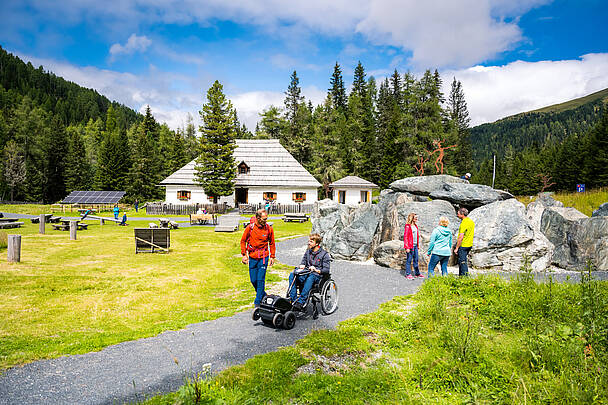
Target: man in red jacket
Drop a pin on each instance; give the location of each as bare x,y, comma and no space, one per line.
257,244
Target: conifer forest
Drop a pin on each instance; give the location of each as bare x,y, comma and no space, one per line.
56,136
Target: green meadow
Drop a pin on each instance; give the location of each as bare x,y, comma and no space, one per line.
68,297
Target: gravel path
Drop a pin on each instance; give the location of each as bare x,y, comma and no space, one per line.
136,369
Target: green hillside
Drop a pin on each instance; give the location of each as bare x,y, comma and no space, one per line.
537,128
577,102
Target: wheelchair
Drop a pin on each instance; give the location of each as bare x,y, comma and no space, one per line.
279,312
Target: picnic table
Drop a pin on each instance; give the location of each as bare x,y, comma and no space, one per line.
167,223
201,219
245,223
7,223
64,225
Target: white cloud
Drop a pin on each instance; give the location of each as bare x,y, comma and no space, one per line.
134,44
495,92
437,32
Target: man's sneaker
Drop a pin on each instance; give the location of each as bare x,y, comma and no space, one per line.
420,276
297,306
409,277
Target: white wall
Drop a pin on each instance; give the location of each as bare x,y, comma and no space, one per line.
255,195
353,195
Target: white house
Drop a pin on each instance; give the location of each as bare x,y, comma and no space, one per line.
352,190
265,170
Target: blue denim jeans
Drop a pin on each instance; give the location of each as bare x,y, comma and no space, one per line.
305,282
257,275
412,256
463,253
438,259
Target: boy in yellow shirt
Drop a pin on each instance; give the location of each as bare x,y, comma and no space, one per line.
465,241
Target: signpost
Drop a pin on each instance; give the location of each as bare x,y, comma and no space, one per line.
580,188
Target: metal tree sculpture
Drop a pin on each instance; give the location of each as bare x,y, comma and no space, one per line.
546,180
439,160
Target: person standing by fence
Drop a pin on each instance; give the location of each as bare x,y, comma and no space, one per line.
258,251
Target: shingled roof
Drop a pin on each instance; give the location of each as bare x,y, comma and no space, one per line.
270,164
352,182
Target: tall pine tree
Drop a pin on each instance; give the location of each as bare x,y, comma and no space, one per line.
215,167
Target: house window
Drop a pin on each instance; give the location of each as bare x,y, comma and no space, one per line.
364,196
243,168
342,196
210,198
270,196
183,195
299,197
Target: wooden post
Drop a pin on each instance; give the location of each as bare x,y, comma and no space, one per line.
73,229
42,224
100,221
14,248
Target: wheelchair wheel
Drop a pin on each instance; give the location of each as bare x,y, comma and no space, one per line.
277,320
256,314
329,297
290,320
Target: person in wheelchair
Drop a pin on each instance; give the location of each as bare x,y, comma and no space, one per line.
316,260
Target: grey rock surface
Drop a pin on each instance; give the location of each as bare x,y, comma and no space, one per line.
348,231
503,236
560,225
602,211
424,185
469,195
391,254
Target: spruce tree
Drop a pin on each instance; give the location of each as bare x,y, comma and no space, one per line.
77,167
55,150
215,167
596,153
359,82
272,124
458,114
337,90
297,115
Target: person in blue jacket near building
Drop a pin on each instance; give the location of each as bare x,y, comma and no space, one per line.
116,211
440,247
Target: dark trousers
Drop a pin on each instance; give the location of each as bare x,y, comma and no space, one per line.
412,256
463,255
257,276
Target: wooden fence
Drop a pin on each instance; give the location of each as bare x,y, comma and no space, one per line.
280,209
184,209
21,202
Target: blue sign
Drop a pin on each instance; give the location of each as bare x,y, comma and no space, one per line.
580,188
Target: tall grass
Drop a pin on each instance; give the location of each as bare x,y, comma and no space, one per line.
585,202
3,240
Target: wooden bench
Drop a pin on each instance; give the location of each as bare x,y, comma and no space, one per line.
47,219
61,227
295,217
151,240
10,224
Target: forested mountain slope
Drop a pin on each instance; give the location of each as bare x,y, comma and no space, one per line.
536,128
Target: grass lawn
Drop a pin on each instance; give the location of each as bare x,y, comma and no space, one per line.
37,209
586,202
458,340
68,297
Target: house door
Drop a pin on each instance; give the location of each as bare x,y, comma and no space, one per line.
342,197
241,195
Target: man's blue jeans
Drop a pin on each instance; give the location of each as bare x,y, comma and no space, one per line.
438,259
257,275
412,256
306,281
463,253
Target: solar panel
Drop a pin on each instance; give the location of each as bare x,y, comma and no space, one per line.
94,197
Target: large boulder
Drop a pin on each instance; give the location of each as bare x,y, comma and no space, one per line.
576,237
391,254
348,231
503,237
469,195
395,207
424,185
602,211
559,225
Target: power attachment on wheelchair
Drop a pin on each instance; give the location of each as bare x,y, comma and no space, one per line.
280,312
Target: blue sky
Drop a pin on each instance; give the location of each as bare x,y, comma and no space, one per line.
510,55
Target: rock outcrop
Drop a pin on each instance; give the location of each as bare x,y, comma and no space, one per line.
469,195
602,211
506,232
